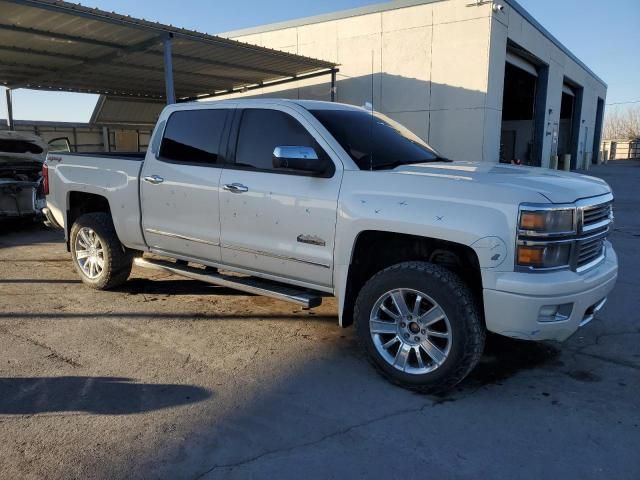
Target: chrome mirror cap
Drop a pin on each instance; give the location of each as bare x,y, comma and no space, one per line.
300,159
293,152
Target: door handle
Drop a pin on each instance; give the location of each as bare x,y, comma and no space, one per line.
153,179
235,188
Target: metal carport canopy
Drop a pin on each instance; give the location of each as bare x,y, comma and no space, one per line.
60,46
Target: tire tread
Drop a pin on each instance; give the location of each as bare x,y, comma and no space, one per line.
475,338
118,267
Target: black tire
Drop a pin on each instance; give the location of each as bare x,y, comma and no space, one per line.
466,343
117,260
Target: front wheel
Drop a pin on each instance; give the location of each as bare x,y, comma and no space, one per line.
420,326
98,256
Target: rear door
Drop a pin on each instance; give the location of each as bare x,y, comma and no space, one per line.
273,222
180,184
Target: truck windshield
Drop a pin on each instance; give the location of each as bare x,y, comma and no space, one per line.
374,141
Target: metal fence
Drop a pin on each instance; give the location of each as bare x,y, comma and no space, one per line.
620,149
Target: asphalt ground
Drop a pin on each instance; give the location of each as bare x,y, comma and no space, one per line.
169,378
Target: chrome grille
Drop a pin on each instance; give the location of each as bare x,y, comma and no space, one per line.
594,229
589,251
596,217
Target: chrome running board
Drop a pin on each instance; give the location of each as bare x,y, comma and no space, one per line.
244,284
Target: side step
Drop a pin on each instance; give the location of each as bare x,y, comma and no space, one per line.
244,284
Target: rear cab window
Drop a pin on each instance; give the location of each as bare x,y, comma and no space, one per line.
194,137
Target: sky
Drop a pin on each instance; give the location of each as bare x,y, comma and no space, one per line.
604,35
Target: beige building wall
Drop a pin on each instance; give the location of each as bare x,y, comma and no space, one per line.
425,66
435,66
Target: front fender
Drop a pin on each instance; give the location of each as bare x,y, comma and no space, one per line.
455,212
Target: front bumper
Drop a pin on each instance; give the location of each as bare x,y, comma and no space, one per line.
515,303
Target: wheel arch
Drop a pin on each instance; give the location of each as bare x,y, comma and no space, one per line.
375,250
79,203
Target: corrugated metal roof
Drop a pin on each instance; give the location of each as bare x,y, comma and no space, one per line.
55,45
126,111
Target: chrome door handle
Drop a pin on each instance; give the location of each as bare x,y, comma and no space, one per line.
153,179
235,188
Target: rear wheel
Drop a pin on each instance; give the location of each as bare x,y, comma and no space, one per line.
419,326
98,256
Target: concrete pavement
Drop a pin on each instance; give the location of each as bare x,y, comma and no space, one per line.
167,378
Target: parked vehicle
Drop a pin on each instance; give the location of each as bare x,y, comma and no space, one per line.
21,158
306,199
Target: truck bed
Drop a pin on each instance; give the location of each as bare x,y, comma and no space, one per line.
137,156
113,176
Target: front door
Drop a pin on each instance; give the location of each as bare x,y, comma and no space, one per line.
180,185
275,223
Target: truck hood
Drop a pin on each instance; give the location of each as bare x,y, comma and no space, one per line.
556,186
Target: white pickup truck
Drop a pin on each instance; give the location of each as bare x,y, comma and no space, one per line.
300,199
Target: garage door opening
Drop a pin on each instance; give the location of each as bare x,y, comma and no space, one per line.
569,128
566,121
597,133
518,132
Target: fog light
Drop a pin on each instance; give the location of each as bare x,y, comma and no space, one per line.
555,313
553,255
530,255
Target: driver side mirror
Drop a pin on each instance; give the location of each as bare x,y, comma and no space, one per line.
301,159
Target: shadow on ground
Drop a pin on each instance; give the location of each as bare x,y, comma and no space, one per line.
27,232
137,286
322,408
504,357
98,395
96,316
37,280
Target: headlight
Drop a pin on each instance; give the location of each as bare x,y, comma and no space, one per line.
541,222
545,236
553,255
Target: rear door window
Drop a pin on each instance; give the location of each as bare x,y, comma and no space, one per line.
194,136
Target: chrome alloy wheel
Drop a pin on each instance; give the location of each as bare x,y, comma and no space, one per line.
410,331
89,252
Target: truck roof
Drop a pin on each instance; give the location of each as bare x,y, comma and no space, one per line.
308,104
